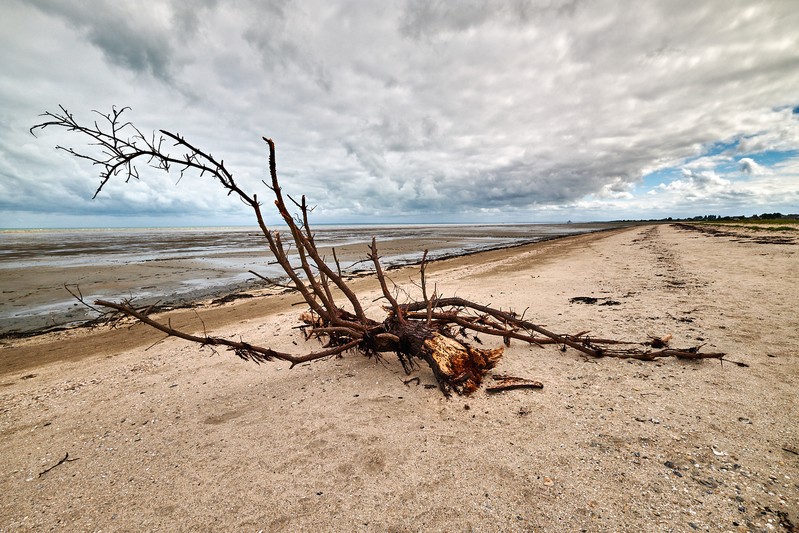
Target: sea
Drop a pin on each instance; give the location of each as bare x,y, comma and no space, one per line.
42,270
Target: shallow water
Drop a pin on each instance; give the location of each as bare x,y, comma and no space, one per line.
179,265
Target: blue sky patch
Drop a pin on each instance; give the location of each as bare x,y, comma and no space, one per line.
770,158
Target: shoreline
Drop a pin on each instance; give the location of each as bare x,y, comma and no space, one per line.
191,439
28,325
21,348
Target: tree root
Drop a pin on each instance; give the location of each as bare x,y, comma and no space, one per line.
425,330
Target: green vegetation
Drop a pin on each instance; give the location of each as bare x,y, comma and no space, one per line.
795,227
764,222
784,224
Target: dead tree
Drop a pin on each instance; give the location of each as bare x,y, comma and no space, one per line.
433,330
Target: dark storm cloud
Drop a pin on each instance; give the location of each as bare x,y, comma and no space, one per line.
130,36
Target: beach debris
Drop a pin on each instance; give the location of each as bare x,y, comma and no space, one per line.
415,379
504,383
736,363
659,342
433,329
65,459
590,300
231,298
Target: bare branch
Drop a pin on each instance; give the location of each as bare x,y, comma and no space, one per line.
244,350
382,278
416,331
272,281
423,281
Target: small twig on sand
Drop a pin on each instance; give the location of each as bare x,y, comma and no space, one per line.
511,383
66,459
738,363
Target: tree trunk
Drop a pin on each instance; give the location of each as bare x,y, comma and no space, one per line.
456,366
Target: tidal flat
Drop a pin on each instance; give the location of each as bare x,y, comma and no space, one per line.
182,266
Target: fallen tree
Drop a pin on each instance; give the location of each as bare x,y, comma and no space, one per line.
433,330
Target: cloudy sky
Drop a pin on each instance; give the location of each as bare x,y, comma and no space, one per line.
411,110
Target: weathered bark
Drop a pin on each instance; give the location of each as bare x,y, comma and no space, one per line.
456,365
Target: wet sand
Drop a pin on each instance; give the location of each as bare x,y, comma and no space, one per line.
172,436
182,266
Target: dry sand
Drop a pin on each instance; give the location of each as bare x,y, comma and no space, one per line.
179,438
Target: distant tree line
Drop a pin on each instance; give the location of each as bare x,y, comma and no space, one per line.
717,218
764,216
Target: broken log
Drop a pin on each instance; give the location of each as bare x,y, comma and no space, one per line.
456,366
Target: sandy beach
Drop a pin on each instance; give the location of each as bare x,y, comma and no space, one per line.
122,430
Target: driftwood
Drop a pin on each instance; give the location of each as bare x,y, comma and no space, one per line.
504,383
434,330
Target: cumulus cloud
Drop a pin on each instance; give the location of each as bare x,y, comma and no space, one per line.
616,189
749,166
419,108
696,182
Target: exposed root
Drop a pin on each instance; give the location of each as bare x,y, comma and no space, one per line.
415,331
